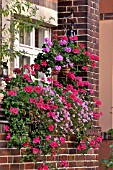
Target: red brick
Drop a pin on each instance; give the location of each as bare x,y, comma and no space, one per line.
29,166
3,159
5,167
4,152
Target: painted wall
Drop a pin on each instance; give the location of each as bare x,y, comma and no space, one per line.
106,74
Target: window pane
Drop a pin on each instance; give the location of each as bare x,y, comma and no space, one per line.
24,60
24,36
39,37
27,38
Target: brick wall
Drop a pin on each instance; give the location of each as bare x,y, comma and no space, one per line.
10,158
46,3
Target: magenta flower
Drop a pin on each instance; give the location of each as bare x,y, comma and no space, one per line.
46,50
35,151
67,49
63,42
53,144
11,93
6,128
36,140
64,163
8,136
48,137
13,110
58,68
49,43
62,140
47,40
51,128
58,58
28,89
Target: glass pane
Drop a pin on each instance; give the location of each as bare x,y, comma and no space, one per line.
39,37
21,37
27,38
36,38
24,60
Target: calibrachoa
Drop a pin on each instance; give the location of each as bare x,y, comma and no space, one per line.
41,116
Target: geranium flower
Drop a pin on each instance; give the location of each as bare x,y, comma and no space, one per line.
58,58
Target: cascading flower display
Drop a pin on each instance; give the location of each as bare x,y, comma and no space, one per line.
64,52
41,116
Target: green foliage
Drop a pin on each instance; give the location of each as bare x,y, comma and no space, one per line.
14,13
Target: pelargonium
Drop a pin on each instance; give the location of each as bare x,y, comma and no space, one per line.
41,116
64,52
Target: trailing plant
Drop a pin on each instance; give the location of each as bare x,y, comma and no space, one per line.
41,116
64,52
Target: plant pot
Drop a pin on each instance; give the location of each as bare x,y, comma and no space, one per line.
1,97
65,70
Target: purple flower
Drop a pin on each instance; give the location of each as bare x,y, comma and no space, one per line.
49,43
68,60
58,68
46,50
67,49
46,40
71,64
63,42
58,58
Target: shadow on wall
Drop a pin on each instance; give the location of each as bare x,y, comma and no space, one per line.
104,152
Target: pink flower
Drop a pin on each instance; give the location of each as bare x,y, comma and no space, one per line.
13,110
79,147
91,91
83,146
92,143
32,100
82,45
62,140
98,102
76,51
44,63
64,38
48,137
28,89
26,76
73,38
35,151
99,139
26,66
51,128
53,144
93,64
6,128
36,140
38,89
8,136
11,93
44,167
85,68
36,66
64,163
55,36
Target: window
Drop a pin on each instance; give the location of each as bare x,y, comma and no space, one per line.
24,60
24,37
40,34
